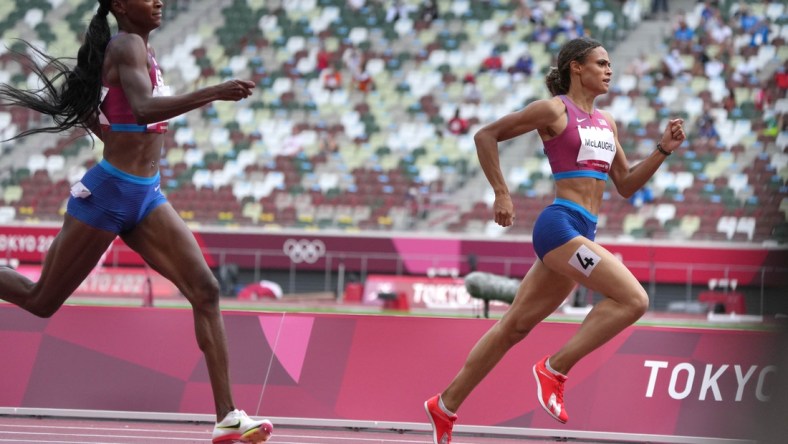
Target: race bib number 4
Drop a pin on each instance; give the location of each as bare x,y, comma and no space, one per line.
585,260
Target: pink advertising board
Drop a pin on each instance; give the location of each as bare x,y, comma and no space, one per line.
414,253
648,380
421,292
133,282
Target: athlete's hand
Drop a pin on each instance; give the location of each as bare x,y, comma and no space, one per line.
504,210
673,135
234,90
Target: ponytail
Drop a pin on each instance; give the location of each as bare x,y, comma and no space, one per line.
69,95
555,84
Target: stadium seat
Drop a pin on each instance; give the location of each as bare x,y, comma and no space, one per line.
12,193
632,222
727,225
7,214
664,212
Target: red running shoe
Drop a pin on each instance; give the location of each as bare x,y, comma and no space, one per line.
550,391
441,422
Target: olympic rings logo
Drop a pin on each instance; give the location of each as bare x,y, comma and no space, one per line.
304,250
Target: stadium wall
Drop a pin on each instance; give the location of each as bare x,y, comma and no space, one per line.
691,382
407,253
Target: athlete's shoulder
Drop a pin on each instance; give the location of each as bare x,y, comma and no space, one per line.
125,39
552,107
126,44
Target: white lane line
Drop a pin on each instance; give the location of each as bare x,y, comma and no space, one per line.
92,435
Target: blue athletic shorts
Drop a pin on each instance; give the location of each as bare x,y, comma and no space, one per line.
110,199
561,222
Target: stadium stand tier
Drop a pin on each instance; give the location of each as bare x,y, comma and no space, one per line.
354,123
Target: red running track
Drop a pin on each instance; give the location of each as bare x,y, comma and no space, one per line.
50,430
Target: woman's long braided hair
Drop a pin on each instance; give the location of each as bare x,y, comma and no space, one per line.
70,95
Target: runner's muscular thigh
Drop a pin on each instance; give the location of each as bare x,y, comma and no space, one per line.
72,256
541,292
164,240
594,267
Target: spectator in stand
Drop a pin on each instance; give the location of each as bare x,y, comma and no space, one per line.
764,96
713,68
641,197
493,62
773,125
353,59
716,28
523,65
542,34
530,13
356,64
683,35
673,65
331,78
745,73
328,143
570,25
706,129
781,76
363,81
428,11
397,9
323,58
729,102
708,11
747,20
760,33
471,93
457,125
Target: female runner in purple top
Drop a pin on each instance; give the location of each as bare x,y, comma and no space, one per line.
582,146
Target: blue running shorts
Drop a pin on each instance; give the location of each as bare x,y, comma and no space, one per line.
561,222
110,199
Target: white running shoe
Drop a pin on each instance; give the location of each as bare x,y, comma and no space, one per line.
237,426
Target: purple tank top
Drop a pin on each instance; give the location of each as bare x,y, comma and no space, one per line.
586,147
